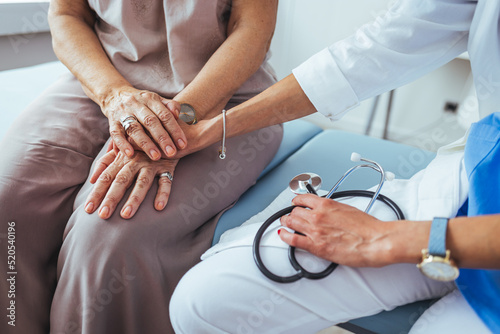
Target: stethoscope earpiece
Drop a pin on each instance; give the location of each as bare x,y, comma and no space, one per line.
355,157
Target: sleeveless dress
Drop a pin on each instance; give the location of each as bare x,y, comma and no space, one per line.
116,276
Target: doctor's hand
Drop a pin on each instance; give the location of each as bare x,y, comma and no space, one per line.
199,136
339,233
152,122
115,172
194,141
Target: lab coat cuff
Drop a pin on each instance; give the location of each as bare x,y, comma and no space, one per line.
325,85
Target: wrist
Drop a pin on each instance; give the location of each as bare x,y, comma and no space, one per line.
201,135
204,109
410,238
210,131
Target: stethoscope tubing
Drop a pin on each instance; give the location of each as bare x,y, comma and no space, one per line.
301,272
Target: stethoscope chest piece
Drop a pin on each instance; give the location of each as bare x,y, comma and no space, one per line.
298,184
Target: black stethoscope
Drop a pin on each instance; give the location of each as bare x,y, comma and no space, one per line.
311,183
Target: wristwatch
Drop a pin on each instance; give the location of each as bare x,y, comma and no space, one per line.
188,114
436,262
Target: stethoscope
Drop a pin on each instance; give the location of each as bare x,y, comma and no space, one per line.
311,183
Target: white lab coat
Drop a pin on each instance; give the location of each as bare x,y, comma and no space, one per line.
413,38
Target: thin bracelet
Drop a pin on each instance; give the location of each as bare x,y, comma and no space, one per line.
222,150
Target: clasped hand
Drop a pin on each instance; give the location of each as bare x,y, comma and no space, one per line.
155,129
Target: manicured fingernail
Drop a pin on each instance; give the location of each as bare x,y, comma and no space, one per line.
181,143
104,212
128,152
160,206
279,231
127,211
170,150
90,207
154,154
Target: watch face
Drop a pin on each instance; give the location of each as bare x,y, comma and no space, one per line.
439,269
187,114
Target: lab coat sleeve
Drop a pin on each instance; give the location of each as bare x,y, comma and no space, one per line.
413,38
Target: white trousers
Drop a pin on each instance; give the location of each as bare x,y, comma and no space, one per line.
451,314
226,293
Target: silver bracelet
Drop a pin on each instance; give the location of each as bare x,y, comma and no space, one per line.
222,149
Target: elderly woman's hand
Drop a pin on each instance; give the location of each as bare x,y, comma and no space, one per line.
152,122
115,172
339,233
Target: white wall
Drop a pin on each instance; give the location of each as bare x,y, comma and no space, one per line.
24,35
306,27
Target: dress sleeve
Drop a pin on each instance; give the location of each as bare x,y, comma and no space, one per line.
413,38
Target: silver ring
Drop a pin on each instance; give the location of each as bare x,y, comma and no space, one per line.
168,175
127,121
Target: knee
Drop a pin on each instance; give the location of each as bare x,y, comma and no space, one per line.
89,239
204,298
198,305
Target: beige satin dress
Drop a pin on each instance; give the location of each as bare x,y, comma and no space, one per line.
89,275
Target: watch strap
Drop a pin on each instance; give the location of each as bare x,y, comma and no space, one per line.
437,237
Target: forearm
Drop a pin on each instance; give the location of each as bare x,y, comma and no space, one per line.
472,241
229,67
250,30
77,46
282,102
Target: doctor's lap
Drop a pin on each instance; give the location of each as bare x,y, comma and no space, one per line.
227,293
